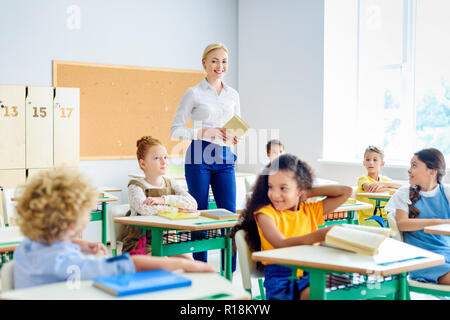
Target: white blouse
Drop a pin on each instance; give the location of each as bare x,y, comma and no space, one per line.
206,109
400,199
181,199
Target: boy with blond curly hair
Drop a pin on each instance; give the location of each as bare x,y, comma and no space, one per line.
53,211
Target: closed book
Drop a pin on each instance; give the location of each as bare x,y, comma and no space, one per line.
238,128
141,282
178,215
219,214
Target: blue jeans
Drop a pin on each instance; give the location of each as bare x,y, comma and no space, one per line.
207,163
279,286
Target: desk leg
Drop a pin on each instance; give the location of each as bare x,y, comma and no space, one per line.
317,284
228,255
403,290
104,222
157,242
350,216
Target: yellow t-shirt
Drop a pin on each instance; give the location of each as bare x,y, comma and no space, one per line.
367,213
293,223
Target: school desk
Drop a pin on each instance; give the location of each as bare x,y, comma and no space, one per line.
378,197
439,229
392,261
204,286
166,243
177,173
100,214
345,213
10,238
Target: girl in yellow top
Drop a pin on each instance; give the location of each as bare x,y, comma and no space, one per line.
373,181
277,216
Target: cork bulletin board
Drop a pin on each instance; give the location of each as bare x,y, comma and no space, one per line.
119,104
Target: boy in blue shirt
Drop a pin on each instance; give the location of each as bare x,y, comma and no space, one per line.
53,211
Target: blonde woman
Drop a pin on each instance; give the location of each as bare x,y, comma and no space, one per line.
210,104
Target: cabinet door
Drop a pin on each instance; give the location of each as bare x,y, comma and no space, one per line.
66,137
12,127
39,127
12,178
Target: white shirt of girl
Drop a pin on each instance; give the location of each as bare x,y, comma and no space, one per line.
400,199
181,199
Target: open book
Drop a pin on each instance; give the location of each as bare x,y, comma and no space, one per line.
360,239
238,127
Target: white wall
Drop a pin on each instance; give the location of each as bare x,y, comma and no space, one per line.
281,72
281,82
153,33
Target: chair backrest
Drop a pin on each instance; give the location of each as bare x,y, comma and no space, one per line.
7,276
393,225
247,265
115,229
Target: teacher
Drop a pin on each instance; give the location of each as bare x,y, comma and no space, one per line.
210,104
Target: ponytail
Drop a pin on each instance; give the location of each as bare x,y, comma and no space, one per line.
414,196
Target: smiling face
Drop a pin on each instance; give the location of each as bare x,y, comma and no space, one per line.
419,174
155,161
215,64
283,191
373,162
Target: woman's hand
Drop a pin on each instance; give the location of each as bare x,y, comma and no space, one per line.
213,134
152,201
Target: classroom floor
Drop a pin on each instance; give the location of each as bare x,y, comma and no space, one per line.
214,260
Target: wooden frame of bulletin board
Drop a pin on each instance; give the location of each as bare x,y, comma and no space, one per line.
120,104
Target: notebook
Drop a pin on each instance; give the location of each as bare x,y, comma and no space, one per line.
178,215
141,282
219,214
238,126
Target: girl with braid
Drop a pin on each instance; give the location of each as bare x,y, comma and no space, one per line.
425,203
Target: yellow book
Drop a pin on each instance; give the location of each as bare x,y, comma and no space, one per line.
360,239
178,215
238,128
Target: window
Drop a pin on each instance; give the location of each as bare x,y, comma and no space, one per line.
386,78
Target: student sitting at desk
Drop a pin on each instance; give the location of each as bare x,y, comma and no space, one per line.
53,211
153,194
274,149
425,203
277,216
373,181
